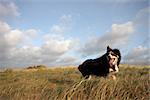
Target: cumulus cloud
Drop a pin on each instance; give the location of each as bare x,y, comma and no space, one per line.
7,9
32,33
15,48
139,55
117,36
11,40
4,27
14,37
4,47
56,45
122,28
26,55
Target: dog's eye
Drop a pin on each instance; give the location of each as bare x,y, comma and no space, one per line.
113,54
113,59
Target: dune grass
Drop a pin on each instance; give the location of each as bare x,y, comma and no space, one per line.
132,83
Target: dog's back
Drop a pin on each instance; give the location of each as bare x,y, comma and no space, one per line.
98,67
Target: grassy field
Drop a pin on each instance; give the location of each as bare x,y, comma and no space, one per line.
132,83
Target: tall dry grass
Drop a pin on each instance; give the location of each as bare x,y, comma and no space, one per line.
132,83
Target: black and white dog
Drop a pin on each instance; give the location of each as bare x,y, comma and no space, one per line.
102,66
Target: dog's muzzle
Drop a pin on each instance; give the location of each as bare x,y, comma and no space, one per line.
113,63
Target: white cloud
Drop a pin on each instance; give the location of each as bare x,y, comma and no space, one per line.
4,47
32,33
63,25
11,40
7,40
142,18
118,36
139,55
27,55
125,28
57,29
4,27
56,45
8,9
15,47
48,53
14,37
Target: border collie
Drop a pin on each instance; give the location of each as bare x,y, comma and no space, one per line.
102,66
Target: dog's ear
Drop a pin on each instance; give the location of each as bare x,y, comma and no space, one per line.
108,49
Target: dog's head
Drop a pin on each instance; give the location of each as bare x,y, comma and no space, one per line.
114,58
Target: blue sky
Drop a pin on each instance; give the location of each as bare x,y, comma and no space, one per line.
66,32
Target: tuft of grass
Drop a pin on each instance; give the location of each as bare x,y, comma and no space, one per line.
9,70
132,83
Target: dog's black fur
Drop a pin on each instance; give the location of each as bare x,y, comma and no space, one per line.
99,66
